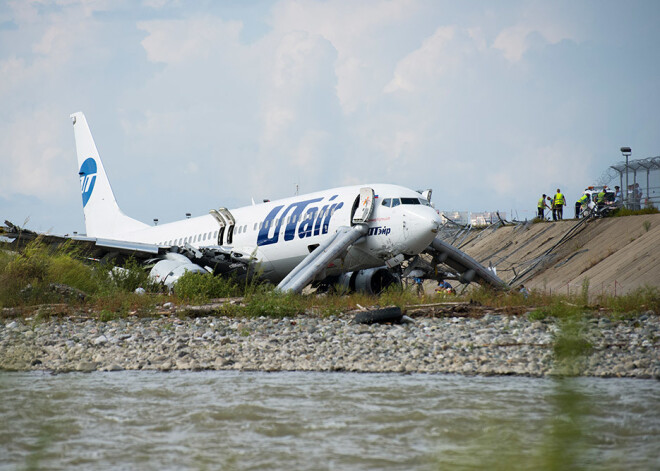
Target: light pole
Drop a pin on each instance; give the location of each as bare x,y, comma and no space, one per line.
626,153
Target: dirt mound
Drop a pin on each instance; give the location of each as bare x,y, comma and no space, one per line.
615,255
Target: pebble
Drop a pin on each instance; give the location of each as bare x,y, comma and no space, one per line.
492,345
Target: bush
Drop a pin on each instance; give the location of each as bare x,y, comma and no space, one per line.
130,277
201,287
28,277
274,303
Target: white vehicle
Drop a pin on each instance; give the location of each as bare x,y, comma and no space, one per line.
593,209
293,241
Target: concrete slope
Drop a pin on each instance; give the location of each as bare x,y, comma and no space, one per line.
615,255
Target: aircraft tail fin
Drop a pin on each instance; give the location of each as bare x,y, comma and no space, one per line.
103,218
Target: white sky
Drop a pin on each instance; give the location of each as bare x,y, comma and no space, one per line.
201,104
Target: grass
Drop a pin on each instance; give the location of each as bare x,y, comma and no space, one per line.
200,288
630,212
34,277
41,274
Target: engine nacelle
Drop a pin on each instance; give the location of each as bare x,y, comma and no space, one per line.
370,281
169,271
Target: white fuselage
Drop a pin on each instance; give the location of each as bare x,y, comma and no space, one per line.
279,234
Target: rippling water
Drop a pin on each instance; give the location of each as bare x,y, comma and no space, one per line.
232,420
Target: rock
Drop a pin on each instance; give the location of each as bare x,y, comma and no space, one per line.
86,366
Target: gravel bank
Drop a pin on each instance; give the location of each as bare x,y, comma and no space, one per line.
491,345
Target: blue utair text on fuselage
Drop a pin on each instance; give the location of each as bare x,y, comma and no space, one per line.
299,220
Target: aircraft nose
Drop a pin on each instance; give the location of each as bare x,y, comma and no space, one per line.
421,226
436,223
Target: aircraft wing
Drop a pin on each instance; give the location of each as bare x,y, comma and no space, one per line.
95,248
221,260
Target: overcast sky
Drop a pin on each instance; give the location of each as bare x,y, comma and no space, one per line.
200,104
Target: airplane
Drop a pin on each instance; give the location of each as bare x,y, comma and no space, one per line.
355,235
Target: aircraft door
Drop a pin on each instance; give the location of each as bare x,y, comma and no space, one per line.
365,206
231,222
221,222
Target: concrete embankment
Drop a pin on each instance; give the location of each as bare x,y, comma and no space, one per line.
492,344
612,255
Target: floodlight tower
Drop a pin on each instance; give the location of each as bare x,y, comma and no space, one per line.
626,153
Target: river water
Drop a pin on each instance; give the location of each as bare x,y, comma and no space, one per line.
251,420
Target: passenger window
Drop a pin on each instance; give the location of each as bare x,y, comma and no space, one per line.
255,227
395,202
245,228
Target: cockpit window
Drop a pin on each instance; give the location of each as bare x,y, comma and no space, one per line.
410,201
393,202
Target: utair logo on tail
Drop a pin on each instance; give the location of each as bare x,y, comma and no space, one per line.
87,179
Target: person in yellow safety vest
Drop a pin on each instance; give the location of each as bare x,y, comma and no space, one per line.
600,199
558,206
581,205
541,207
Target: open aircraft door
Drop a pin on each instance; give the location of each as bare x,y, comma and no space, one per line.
221,222
226,222
231,222
365,206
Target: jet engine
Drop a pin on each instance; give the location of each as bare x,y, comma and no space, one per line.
370,281
169,270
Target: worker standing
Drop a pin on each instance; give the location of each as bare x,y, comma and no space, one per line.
600,199
541,207
581,204
558,206
617,197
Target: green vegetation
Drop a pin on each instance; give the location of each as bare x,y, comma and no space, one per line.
41,275
630,212
200,288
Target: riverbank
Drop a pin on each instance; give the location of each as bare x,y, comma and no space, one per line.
486,343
